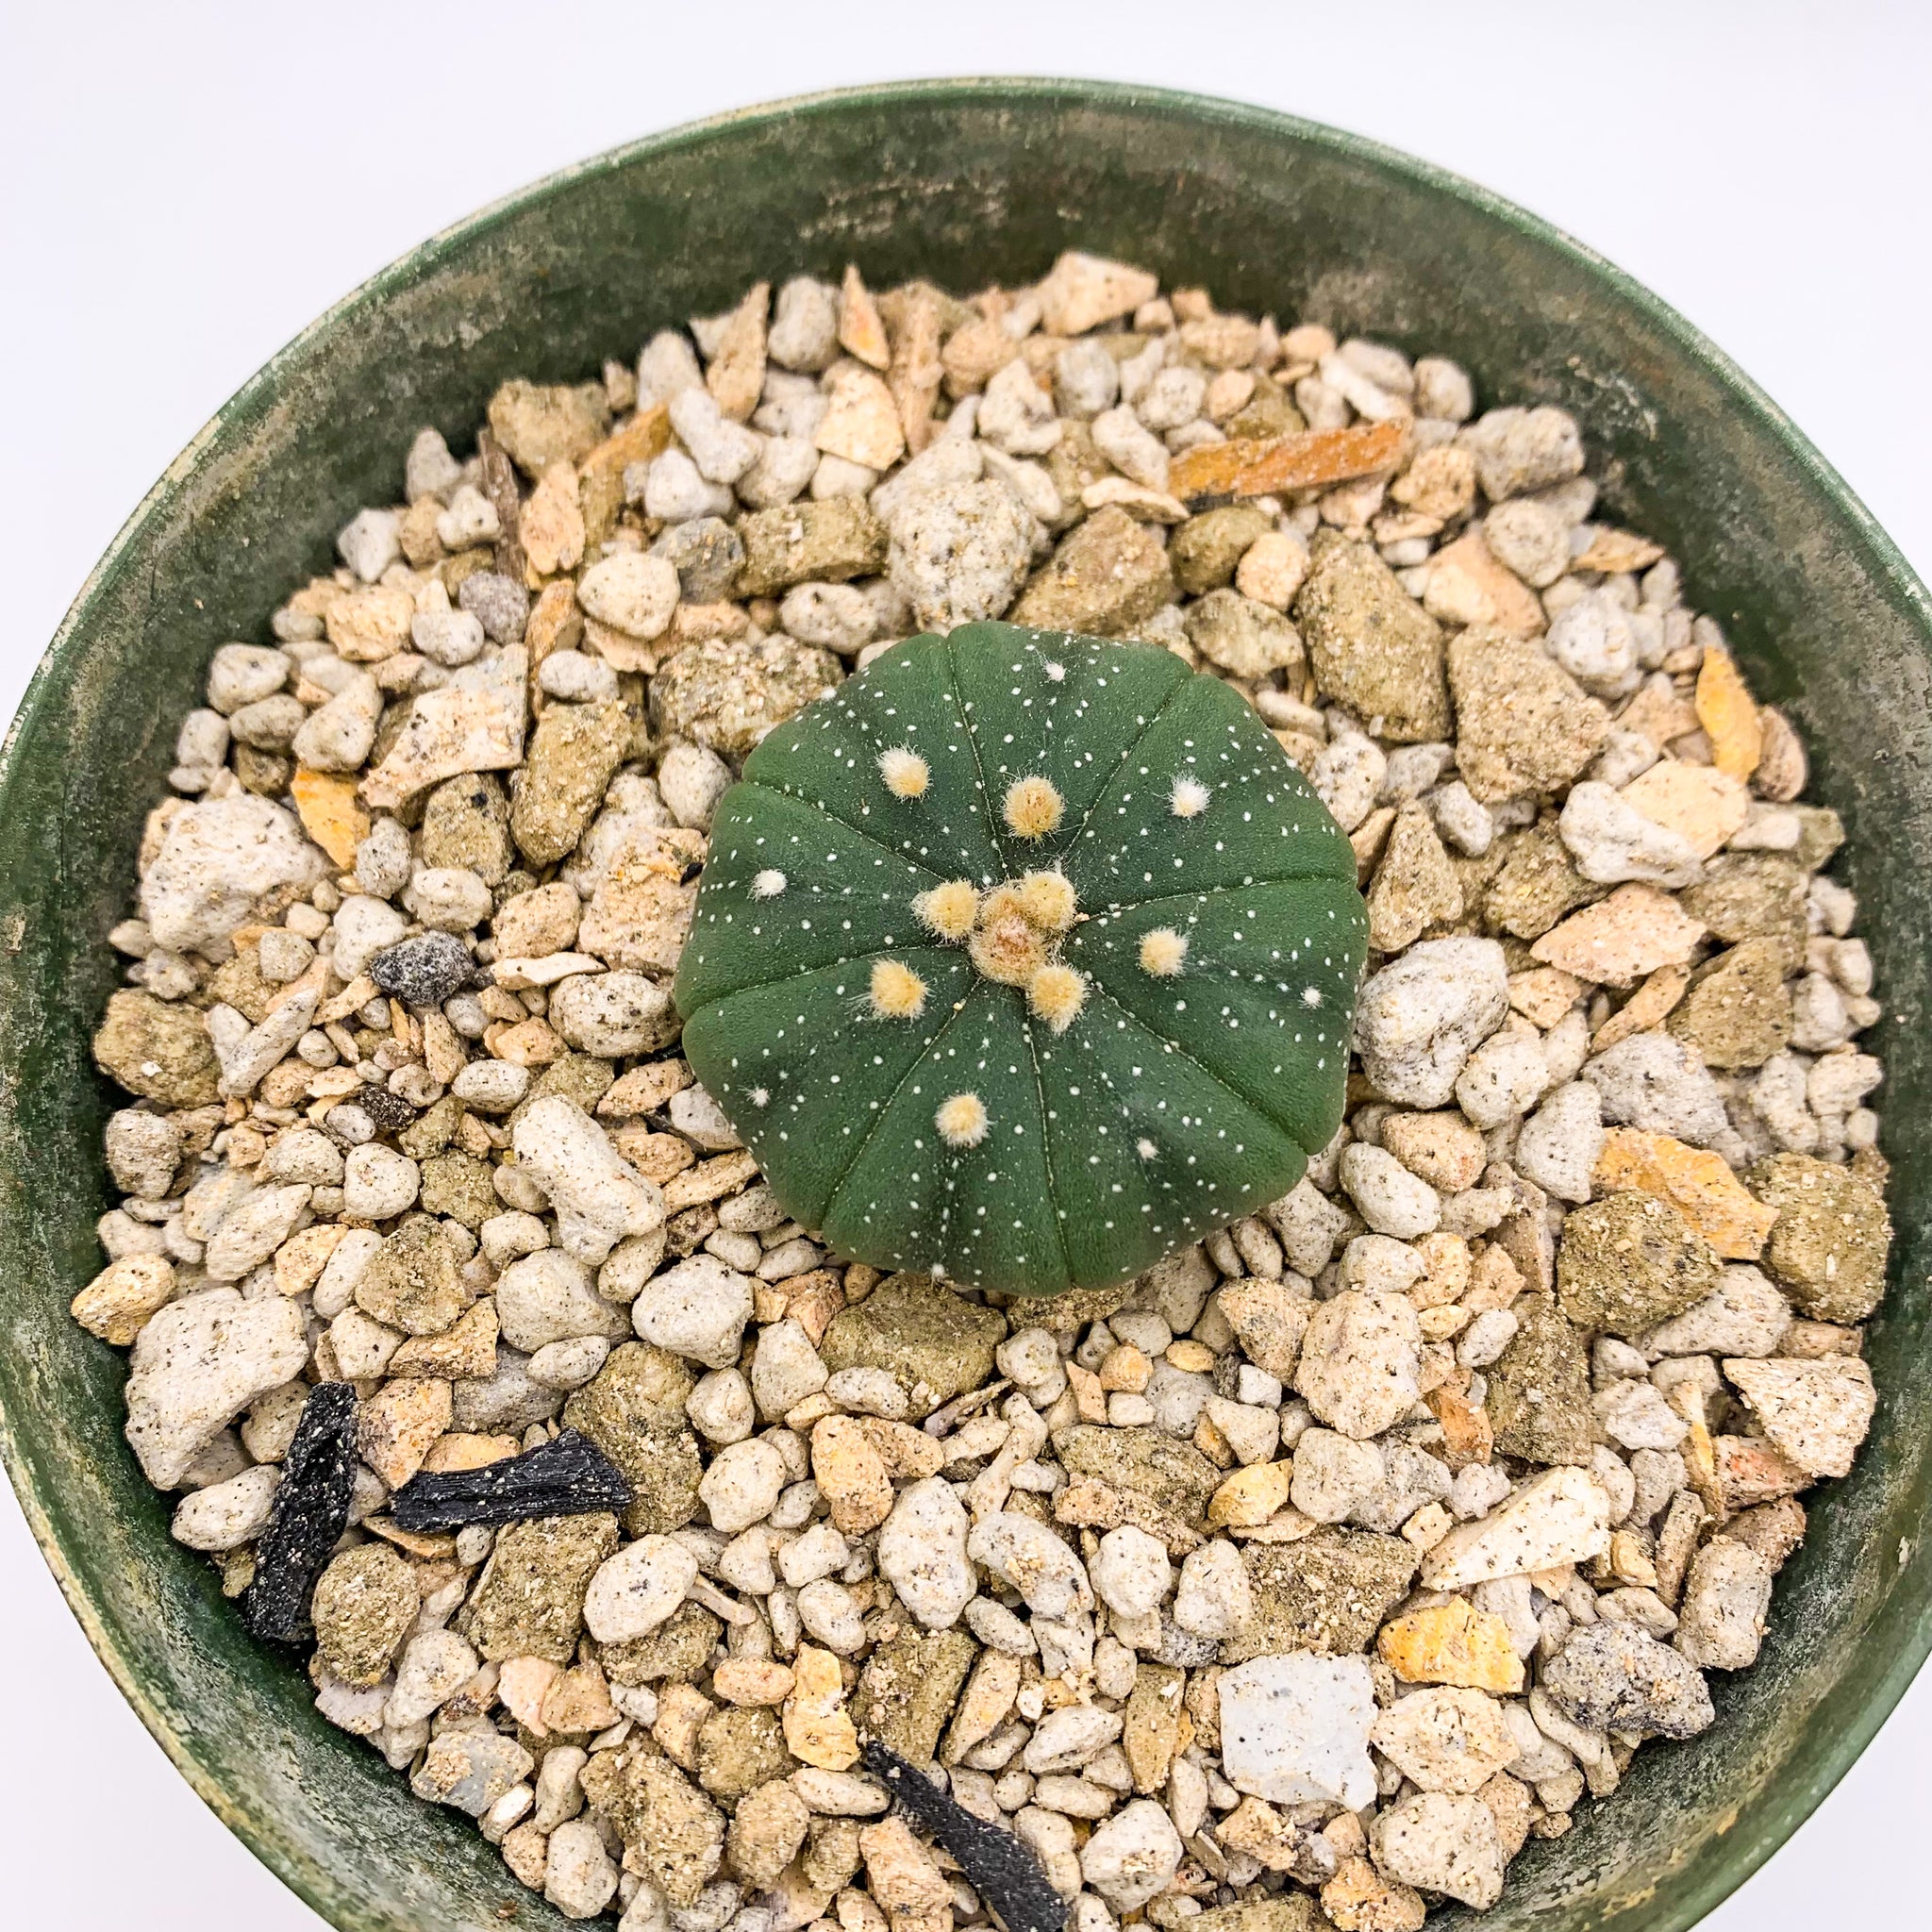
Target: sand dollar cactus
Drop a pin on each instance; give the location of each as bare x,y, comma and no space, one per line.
1025,959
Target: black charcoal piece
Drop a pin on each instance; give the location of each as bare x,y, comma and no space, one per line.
309,1513
1000,1868
425,971
570,1476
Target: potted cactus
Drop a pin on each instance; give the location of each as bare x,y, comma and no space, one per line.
1024,958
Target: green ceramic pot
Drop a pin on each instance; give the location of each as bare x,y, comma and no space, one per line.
968,182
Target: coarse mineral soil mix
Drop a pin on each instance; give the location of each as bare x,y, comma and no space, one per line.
1296,1582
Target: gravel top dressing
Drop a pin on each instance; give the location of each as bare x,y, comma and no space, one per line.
1033,1110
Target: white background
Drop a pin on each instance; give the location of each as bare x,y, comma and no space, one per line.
183,188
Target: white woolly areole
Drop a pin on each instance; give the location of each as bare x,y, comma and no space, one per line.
896,992
961,1119
907,775
1163,952
1188,798
768,884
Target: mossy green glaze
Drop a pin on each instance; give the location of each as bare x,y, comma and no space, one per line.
1165,1103
972,182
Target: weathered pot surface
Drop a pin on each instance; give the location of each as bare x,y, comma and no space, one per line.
969,181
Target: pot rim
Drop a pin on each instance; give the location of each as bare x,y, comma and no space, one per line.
285,1857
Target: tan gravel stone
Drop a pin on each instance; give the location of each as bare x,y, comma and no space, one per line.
740,1748
767,1830
1251,1496
1539,1398
983,1705
1542,995
1697,801
1358,1362
197,1364
1534,884
1359,1899
1816,1414
673,1835
640,913
1451,1738
600,491
1443,1843
542,425
908,1687
1560,1517
727,695
1630,934
579,1701
1269,1320
1729,716
818,1728
809,542
851,1475
551,526
1443,1148
860,331
1109,574
1375,650
365,1603
1151,1735
756,1680
1266,460
1522,723
1698,1183
1743,1470
1441,483
156,1050
395,1426
414,1281
325,804
737,370
910,1887
1081,292
913,320
1467,585
574,753
1327,1590
117,1302
1415,888
529,1600
933,1344
861,421
1271,570
1631,1261
1647,1008
1830,1241
371,623
1453,1644
1737,1011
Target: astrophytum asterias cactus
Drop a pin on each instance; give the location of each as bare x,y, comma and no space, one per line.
1024,958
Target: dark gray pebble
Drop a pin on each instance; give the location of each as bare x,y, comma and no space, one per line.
425,971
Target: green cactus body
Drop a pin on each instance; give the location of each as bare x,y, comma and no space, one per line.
1025,959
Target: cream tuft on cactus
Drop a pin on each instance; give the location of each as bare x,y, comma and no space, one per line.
1023,958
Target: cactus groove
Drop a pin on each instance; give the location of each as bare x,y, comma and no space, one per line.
1024,958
